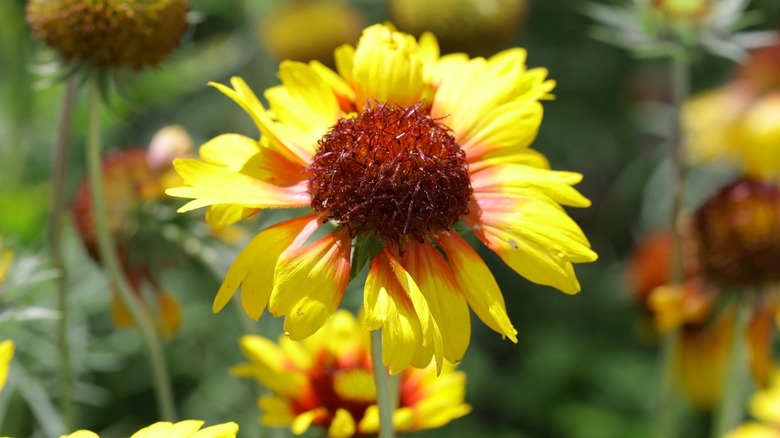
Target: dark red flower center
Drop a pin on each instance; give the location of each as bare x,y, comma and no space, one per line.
393,172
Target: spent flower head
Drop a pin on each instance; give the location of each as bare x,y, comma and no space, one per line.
393,153
110,34
661,28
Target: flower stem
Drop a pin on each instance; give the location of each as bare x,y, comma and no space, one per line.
107,250
58,207
381,379
680,72
728,413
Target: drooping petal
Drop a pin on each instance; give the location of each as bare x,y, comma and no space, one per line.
534,236
254,266
477,284
387,68
221,216
387,306
701,360
309,283
503,179
759,337
445,300
211,184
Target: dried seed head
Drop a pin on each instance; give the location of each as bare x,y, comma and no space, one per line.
738,234
393,172
134,34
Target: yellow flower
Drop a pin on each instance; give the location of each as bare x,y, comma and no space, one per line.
394,150
182,429
740,122
764,406
327,381
6,354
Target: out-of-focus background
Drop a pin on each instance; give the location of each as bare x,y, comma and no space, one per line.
585,366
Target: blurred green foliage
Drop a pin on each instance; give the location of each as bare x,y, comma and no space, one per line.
584,367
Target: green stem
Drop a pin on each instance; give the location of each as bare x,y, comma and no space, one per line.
108,256
58,208
728,413
382,387
680,72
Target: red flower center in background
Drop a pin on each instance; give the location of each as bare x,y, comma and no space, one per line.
393,172
738,234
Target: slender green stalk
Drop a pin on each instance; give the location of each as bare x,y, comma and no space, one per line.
58,207
729,410
382,387
680,72
142,319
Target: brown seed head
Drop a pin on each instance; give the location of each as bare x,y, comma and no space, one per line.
134,34
393,172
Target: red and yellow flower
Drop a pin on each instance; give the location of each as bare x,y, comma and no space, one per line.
134,181
740,122
327,381
396,148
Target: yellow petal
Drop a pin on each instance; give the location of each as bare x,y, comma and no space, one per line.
477,284
534,236
338,85
503,179
301,422
244,97
343,425
254,266
245,155
164,429
387,68
304,102
225,430
701,361
446,302
221,216
309,283
344,57
276,411
754,430
211,184
523,156
511,125
81,434
386,305
269,364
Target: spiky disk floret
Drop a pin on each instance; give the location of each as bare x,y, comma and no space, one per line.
393,172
